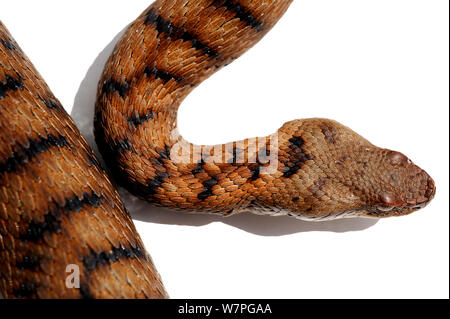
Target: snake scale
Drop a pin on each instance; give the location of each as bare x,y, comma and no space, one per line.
57,206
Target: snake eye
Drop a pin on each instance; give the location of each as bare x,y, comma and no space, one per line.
398,159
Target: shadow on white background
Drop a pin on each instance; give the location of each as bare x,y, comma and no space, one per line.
83,115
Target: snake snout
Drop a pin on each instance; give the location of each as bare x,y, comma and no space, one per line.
412,189
426,194
420,189
423,199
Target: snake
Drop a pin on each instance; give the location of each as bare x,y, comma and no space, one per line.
312,169
58,207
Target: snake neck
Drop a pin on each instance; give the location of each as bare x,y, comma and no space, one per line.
169,50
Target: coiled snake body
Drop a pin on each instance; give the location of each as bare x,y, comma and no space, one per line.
311,169
58,208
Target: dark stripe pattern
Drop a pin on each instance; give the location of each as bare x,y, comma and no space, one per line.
52,220
155,183
8,45
52,104
25,290
207,191
137,119
152,185
24,154
255,169
297,157
110,86
166,26
163,75
29,263
241,13
199,168
11,84
85,292
120,146
163,154
95,260
134,186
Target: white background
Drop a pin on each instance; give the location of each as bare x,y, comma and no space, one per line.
380,67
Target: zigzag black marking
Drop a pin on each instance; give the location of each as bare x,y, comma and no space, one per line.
52,104
155,183
24,154
255,169
152,185
166,26
163,75
207,191
297,157
52,220
137,120
111,86
199,167
297,141
11,84
120,146
95,260
137,188
92,160
85,292
242,13
29,263
10,46
25,290
165,153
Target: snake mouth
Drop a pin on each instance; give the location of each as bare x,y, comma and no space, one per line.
404,207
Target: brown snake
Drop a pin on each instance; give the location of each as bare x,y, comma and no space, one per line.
311,169
57,206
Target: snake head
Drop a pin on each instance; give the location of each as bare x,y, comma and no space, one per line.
343,175
385,182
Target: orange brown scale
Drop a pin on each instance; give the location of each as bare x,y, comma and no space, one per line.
57,205
322,169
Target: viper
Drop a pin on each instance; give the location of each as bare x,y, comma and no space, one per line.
58,209
64,232
310,169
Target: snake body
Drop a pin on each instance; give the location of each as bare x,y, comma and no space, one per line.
57,206
311,169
